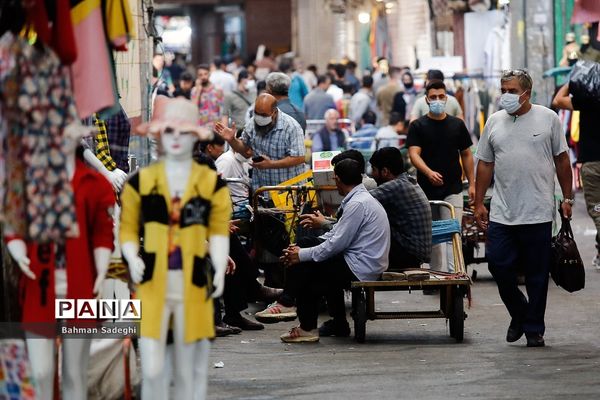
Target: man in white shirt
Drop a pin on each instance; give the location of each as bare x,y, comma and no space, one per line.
523,147
221,78
391,135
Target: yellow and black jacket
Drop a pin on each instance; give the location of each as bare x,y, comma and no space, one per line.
206,211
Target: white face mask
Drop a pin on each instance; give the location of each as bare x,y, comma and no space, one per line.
262,120
510,102
250,84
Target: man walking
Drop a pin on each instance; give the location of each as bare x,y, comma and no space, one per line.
588,155
318,101
437,142
521,146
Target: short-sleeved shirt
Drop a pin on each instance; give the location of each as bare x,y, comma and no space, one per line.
441,143
522,150
285,139
589,138
235,105
421,107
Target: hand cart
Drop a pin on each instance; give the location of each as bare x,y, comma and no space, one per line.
452,287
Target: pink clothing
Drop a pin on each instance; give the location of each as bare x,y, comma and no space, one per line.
210,101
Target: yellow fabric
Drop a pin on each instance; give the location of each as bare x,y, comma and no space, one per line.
198,309
575,126
83,9
119,23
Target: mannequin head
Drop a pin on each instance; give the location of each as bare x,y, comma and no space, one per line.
178,117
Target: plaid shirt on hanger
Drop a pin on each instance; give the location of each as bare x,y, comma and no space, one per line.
101,143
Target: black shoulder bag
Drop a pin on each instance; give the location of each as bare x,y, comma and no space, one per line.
566,266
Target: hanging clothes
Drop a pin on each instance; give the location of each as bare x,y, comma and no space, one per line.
119,23
94,82
94,200
38,105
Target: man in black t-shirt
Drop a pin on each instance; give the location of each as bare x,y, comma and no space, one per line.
588,154
437,142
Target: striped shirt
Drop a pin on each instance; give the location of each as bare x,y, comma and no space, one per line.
285,139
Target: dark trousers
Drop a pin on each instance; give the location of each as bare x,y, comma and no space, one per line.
401,259
241,286
528,246
313,280
292,286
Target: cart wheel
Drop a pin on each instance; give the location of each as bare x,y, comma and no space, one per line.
360,315
457,318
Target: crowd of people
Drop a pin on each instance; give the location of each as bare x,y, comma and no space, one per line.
384,221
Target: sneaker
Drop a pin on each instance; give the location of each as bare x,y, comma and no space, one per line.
276,312
596,262
297,335
339,328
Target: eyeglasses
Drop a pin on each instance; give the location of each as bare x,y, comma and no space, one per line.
507,73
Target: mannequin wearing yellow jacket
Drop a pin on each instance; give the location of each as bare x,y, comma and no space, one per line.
176,205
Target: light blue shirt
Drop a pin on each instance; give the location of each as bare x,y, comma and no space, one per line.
362,235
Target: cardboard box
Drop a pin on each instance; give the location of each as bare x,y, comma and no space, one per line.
323,176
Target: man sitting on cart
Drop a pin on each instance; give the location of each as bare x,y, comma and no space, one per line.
355,249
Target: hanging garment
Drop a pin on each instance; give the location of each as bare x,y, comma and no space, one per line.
56,33
38,104
119,24
101,144
118,130
94,203
94,83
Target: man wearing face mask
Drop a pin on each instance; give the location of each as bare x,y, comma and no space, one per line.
421,107
236,102
523,147
437,143
273,139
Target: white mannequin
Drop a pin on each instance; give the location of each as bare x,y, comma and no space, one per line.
190,359
116,178
75,351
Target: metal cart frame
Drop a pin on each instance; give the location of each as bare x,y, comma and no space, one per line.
452,287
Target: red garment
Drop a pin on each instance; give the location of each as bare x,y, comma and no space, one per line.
94,202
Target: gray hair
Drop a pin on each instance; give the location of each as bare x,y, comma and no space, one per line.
278,83
332,111
521,75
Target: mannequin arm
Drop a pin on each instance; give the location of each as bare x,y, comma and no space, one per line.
102,260
117,177
129,234
18,251
219,254
218,234
136,264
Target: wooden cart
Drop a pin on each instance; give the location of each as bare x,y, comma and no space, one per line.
452,289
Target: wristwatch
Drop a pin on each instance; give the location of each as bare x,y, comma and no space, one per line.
569,201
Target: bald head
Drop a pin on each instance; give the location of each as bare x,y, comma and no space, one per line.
265,104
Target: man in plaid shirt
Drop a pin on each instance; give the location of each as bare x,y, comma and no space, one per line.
273,139
407,209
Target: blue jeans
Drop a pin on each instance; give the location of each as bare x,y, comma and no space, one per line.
528,246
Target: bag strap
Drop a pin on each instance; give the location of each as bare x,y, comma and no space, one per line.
565,227
241,97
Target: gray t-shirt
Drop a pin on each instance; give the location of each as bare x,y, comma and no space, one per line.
421,107
523,151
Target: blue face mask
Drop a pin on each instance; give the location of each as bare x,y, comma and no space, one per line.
437,107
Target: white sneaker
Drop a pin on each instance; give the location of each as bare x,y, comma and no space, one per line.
276,312
596,262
